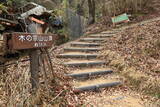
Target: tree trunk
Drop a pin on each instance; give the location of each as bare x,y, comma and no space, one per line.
80,8
91,6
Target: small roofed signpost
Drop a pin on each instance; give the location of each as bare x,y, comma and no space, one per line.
32,41
28,35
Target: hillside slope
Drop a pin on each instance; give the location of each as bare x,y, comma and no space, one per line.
135,53
140,46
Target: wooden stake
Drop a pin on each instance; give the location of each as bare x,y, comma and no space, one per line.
34,69
34,61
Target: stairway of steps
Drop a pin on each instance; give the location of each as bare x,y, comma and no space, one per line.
90,72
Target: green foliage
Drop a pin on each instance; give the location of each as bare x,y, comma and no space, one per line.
65,4
1,27
63,38
16,2
61,32
3,8
58,12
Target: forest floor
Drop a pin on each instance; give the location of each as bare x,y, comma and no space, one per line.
132,52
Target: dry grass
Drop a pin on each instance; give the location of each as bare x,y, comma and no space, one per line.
15,86
54,88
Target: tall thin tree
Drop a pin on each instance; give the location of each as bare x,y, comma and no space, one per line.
92,9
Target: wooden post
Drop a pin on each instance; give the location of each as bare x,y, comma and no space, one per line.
34,61
34,68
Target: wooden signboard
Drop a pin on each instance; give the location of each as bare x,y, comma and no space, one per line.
20,41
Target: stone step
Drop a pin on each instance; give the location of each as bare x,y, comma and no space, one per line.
96,86
109,32
101,36
82,49
77,55
84,44
90,73
84,63
92,39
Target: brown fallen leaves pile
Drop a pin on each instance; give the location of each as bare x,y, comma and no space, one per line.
140,47
54,89
136,53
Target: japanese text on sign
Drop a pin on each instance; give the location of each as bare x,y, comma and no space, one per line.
29,41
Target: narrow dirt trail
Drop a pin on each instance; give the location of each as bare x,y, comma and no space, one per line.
89,73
